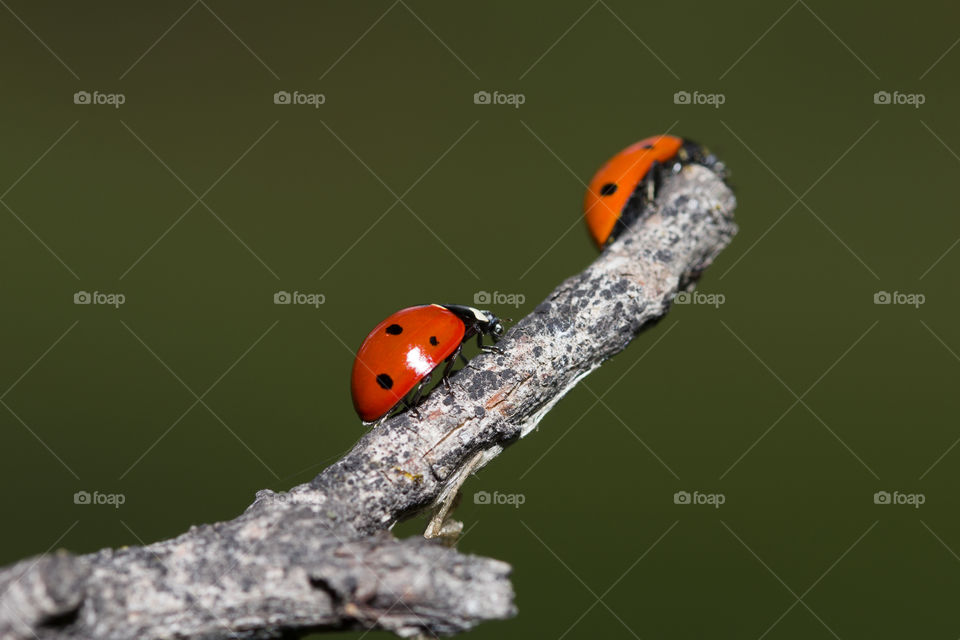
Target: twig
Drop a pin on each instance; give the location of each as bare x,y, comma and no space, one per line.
318,557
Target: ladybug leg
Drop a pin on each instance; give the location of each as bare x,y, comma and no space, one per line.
415,400
466,363
451,360
652,180
488,348
412,408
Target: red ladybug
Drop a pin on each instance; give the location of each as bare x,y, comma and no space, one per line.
622,187
402,351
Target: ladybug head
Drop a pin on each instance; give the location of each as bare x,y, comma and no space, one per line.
480,320
699,154
496,329
489,323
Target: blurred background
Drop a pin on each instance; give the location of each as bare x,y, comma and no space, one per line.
177,165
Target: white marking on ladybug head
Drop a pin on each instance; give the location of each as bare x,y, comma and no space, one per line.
419,362
479,315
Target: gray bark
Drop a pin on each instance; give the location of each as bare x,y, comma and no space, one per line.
319,557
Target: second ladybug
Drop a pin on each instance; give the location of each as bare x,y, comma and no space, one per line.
400,354
622,187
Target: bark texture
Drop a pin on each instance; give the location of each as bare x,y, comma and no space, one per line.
320,556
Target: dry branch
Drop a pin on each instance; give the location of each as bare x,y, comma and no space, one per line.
319,556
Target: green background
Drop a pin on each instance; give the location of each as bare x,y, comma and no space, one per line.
706,401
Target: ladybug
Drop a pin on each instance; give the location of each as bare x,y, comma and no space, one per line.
400,354
622,187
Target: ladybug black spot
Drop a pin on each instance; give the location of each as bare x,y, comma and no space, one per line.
434,341
385,381
648,146
608,189
394,329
